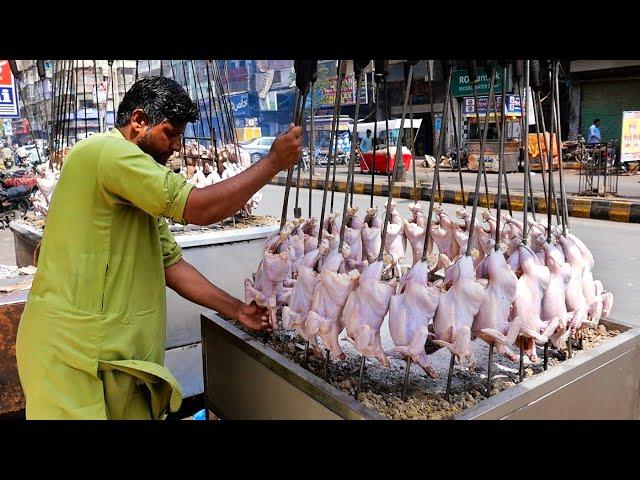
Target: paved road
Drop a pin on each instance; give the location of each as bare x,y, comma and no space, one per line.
614,245
628,186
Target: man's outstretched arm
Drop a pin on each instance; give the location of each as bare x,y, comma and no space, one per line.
219,201
189,283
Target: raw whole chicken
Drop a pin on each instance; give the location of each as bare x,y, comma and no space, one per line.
267,288
311,231
599,301
410,312
329,297
293,315
457,308
532,285
554,300
365,310
575,299
491,323
415,230
444,235
353,237
371,235
395,242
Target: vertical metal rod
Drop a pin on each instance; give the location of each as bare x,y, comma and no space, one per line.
395,166
521,369
311,150
450,377
547,146
69,86
306,354
457,140
501,162
375,137
480,161
215,107
124,77
75,98
335,122
543,169
413,160
386,122
482,133
406,380
359,384
436,172
352,160
95,76
546,355
570,346
84,93
550,158
326,364
206,110
524,105
113,96
500,126
137,63
333,147
563,195
489,369
287,189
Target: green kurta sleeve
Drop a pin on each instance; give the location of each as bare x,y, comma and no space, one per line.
134,177
171,251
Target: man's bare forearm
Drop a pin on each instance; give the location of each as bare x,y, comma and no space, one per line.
189,283
221,200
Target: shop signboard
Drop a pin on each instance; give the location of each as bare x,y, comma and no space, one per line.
8,92
630,144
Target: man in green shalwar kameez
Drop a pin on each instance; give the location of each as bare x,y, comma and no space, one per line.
91,340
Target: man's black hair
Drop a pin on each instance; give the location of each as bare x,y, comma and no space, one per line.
161,98
368,131
596,120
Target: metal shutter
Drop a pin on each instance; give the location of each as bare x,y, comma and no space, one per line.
607,100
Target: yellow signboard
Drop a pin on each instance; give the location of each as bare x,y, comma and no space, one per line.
630,144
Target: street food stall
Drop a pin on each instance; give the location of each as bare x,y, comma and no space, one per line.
379,162
512,143
536,151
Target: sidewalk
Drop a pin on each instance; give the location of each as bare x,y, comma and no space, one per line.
624,208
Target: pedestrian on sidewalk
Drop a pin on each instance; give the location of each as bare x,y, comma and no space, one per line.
593,135
366,144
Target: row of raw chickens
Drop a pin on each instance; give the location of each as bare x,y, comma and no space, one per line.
46,181
516,293
201,179
226,153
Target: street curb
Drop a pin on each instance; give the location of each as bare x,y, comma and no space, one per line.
600,209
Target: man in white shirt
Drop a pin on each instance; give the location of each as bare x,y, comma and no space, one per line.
594,135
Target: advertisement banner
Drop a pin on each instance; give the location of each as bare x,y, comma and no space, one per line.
325,91
8,92
630,144
514,108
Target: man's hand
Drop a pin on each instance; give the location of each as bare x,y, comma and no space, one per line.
254,317
286,149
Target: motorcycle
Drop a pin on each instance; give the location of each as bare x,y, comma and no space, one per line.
14,203
464,162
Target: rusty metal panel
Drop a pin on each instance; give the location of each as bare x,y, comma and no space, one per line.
11,395
245,380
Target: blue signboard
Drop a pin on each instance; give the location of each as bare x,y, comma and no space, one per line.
240,104
8,92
